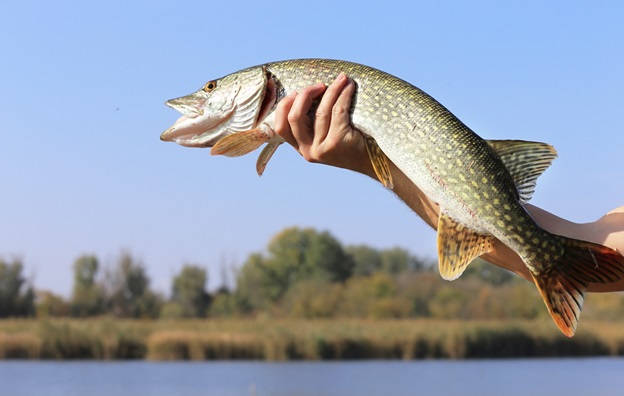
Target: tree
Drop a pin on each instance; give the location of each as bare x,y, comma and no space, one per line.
223,304
313,298
366,259
87,296
16,296
51,304
489,273
293,255
373,296
189,291
254,286
396,260
130,295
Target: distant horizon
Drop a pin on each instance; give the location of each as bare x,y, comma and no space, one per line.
84,170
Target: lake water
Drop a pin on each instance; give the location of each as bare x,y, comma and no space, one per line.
433,377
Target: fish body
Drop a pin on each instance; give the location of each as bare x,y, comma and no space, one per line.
480,185
421,137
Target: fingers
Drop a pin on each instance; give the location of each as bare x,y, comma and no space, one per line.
282,127
323,115
340,123
298,119
331,136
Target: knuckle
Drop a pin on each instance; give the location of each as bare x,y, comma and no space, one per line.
332,142
281,107
306,92
321,156
280,126
321,114
285,103
310,155
306,155
281,131
339,110
294,116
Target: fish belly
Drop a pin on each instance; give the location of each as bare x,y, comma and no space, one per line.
431,184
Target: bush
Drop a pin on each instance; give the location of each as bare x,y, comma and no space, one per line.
19,346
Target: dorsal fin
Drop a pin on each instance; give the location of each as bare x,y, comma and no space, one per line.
458,245
525,161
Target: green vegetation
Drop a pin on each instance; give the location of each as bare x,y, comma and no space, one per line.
16,297
306,297
297,339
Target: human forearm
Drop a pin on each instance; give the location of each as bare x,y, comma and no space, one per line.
330,139
609,230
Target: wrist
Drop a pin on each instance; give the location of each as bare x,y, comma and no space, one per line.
360,164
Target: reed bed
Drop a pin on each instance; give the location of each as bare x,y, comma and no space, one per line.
289,339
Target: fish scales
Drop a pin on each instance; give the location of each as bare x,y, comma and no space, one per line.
425,141
480,185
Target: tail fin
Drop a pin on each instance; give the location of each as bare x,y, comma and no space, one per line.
563,285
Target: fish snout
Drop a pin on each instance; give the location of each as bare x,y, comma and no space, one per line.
167,136
187,105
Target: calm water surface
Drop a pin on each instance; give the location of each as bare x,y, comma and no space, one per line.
481,377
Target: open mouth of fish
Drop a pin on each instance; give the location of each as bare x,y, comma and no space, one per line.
200,126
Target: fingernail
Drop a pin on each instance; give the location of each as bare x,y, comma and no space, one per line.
341,76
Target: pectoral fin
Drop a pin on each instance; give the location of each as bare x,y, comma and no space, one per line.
266,154
380,162
240,143
458,246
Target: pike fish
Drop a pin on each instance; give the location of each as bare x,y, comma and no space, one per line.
480,185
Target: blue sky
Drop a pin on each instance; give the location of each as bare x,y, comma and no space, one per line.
83,86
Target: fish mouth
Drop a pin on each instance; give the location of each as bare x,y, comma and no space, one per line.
189,105
195,121
197,128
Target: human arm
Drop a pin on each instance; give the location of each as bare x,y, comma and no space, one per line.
330,139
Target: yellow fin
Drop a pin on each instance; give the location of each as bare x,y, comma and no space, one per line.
379,161
564,281
458,246
563,297
239,143
266,154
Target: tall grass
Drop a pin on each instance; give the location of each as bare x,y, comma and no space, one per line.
266,339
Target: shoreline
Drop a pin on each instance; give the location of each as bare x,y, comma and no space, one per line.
300,340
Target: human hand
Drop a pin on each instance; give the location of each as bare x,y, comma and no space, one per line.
328,137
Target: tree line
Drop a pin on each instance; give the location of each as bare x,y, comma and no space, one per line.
302,273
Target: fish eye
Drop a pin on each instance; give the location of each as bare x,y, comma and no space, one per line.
209,86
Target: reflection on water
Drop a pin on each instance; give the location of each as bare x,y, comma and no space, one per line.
484,377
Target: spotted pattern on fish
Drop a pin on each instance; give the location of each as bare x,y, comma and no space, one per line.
447,160
480,185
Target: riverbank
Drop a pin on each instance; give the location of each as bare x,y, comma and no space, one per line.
268,339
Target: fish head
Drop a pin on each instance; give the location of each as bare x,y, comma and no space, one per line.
231,104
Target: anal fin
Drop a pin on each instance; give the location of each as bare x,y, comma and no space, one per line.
458,246
379,161
240,143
